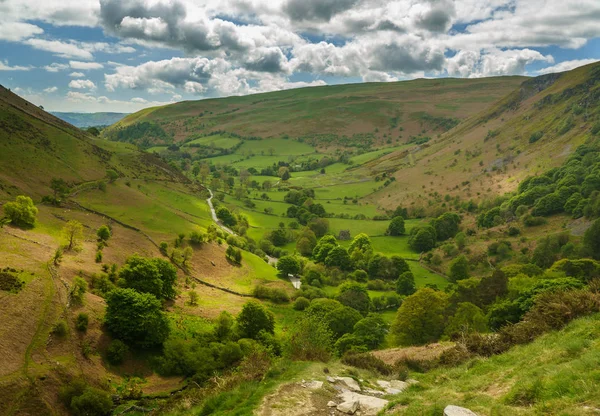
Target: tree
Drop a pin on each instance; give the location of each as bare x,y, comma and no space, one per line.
136,318
405,285
73,232
103,233
396,227
372,330
446,225
459,269
319,226
59,187
354,295
193,298
58,256
234,254
341,321
288,265
197,238
278,237
254,318
422,239
285,176
187,254
267,185
155,276
305,246
93,131
78,290
338,257
112,175
226,217
591,239
421,318
93,402
492,287
467,318
21,212
545,253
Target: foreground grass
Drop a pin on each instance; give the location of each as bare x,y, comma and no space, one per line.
558,374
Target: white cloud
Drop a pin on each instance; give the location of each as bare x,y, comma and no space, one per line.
16,31
102,103
82,84
77,75
50,90
85,65
493,62
59,48
4,66
55,67
566,66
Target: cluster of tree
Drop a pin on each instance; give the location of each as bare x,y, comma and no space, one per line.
223,347
488,303
573,188
441,228
21,212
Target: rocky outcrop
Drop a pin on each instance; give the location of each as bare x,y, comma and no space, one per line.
348,407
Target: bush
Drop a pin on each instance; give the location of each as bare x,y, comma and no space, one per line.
60,329
136,318
301,303
274,294
254,318
367,361
103,233
116,352
396,227
93,402
81,322
310,340
21,212
421,318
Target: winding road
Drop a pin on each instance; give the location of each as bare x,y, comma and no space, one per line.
272,260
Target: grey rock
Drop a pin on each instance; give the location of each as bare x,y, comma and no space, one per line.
452,410
330,379
348,407
331,404
368,405
399,385
313,385
350,383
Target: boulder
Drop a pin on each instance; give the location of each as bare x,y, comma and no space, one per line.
330,379
452,410
349,382
399,385
368,405
348,407
313,385
331,404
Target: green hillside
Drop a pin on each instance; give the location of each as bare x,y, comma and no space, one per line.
36,147
339,115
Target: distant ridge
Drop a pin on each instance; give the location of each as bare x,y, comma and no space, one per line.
83,120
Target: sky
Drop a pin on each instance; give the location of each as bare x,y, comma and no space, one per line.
125,55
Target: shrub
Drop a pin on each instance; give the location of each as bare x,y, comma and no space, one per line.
81,322
301,303
136,318
254,318
396,227
103,233
310,340
274,294
421,318
21,212
60,329
78,290
93,402
116,352
405,285
367,361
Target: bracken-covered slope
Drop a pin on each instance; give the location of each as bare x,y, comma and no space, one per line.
534,128
340,114
36,146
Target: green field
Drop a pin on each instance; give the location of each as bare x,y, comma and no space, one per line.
217,141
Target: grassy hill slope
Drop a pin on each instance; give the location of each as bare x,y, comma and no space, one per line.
532,129
36,146
328,114
556,374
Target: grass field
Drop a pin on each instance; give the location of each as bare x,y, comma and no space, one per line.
217,141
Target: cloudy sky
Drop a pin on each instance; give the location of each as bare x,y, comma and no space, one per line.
124,55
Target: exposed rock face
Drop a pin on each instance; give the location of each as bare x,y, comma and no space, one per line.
452,410
349,407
